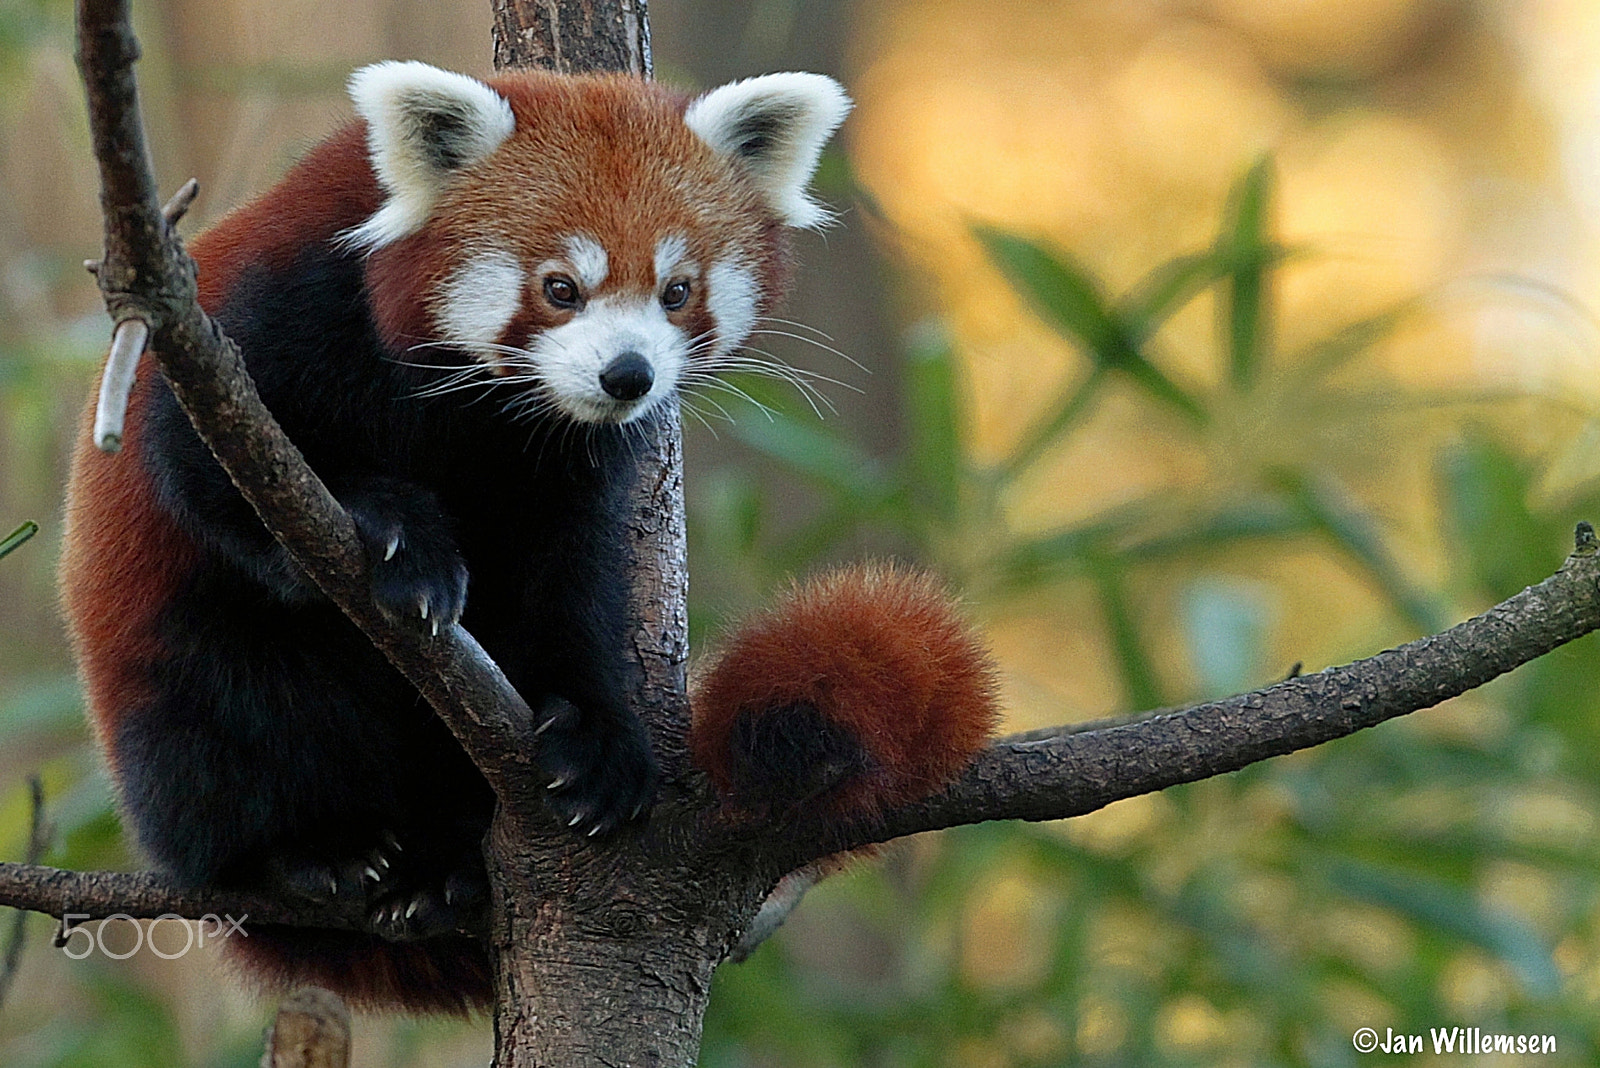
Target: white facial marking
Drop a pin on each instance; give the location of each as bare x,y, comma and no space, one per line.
589,260
569,358
670,256
480,298
731,293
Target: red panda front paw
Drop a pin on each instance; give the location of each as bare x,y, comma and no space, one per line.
418,576
602,774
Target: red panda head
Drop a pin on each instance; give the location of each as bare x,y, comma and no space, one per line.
594,238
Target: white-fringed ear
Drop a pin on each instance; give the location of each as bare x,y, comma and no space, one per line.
776,126
423,124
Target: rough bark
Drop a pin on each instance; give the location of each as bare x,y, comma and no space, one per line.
1047,775
573,36
95,895
604,950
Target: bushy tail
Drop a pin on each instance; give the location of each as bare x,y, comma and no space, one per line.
861,688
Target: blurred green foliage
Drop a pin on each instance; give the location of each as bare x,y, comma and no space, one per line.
1258,918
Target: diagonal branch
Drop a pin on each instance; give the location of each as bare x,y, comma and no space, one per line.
147,276
1046,775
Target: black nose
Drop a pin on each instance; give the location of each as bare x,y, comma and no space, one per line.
628,377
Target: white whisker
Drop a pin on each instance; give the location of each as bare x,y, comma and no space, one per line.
812,341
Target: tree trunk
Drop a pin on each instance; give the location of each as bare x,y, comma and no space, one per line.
604,968
604,951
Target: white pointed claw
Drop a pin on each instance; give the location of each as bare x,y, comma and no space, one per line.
557,783
372,873
422,604
392,548
575,820
333,884
593,831
546,725
378,859
391,841
411,909
449,896
435,626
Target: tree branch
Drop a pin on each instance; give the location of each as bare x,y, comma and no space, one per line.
147,276
1048,775
95,895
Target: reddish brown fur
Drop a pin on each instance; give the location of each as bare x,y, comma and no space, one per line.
329,191
449,975
138,556
609,157
876,649
111,590
574,163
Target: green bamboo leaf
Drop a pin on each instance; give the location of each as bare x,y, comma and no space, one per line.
1265,517
1327,355
1485,490
935,460
1066,297
15,539
1334,513
805,448
1060,292
731,512
1452,911
1062,415
1140,687
1164,291
1249,254
1072,548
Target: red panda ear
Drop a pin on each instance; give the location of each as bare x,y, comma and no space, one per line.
776,126
423,125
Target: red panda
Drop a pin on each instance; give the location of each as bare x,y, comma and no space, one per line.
460,308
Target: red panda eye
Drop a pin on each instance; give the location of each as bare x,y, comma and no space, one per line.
675,296
561,291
